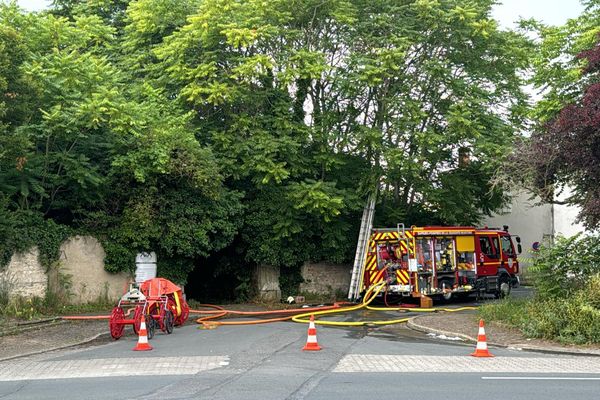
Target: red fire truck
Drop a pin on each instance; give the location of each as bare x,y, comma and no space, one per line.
442,261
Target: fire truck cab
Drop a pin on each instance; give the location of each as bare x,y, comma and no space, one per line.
438,261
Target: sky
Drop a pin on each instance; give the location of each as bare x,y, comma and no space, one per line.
553,12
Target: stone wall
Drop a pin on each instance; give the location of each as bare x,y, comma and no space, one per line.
80,273
266,280
323,278
82,265
24,275
319,278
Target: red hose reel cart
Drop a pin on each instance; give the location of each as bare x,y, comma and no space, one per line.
159,301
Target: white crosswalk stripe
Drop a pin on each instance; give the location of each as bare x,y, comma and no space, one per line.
447,364
108,367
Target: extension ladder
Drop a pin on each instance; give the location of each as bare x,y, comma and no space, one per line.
366,225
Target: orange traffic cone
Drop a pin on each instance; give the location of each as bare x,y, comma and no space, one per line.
311,341
142,344
481,350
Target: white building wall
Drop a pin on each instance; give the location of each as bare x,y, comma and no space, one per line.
564,221
565,217
535,223
531,222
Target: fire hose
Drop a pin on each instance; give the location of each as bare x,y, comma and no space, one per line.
207,322
369,296
297,315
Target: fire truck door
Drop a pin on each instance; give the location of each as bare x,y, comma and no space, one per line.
508,255
488,256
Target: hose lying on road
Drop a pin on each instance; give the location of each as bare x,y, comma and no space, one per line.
369,296
208,321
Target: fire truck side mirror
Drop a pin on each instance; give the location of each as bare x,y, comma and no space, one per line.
519,248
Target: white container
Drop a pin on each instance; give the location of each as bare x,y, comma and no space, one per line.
145,266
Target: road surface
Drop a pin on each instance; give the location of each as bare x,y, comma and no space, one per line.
266,362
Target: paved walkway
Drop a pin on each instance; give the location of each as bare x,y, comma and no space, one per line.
462,364
108,367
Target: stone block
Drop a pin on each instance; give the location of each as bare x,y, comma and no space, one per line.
25,276
82,262
266,279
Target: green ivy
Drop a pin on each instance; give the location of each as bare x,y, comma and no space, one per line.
22,230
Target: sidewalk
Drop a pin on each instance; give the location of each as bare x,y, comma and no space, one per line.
55,336
465,325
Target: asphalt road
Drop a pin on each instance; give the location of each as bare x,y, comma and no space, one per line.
266,362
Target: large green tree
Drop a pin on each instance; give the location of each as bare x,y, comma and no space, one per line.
253,130
100,152
289,94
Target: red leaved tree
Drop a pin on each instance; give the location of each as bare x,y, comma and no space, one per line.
567,152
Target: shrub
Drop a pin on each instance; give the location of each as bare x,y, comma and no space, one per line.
510,311
562,269
6,285
569,320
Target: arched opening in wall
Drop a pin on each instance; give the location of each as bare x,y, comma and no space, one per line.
224,277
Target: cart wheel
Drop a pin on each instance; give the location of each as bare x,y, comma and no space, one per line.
168,322
150,326
115,323
171,306
161,319
137,319
155,315
185,313
182,317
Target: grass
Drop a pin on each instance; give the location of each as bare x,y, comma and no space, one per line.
49,306
568,321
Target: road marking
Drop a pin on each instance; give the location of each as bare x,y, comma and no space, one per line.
539,378
449,364
109,367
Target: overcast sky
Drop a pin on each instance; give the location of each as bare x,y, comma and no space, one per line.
554,12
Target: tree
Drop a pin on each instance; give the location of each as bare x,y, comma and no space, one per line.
254,128
563,153
95,150
287,94
418,91
567,152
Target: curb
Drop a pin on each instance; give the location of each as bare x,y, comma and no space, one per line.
32,326
517,346
62,347
421,328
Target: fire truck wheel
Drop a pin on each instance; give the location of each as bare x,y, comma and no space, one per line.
503,287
